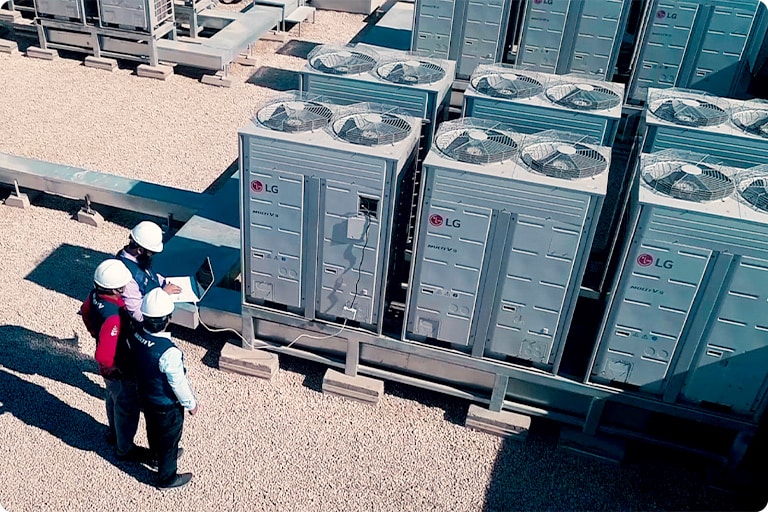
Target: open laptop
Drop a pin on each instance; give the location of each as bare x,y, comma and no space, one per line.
193,288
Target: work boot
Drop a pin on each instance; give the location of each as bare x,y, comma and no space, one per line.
139,454
151,462
180,480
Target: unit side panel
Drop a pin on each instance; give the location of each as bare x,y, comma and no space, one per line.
350,254
64,8
346,91
528,118
730,150
482,34
275,233
449,258
122,12
659,284
599,27
732,364
721,49
533,287
664,46
434,22
543,38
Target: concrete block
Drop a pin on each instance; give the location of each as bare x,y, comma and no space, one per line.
247,60
219,80
609,449
157,72
92,218
39,53
9,47
100,63
18,201
7,16
502,423
256,363
362,389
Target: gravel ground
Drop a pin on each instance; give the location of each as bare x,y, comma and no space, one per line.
255,445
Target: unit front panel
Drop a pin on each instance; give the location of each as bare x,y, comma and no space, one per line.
596,38
62,8
126,13
543,37
664,46
449,260
435,22
721,50
349,254
482,32
659,283
530,301
275,213
731,366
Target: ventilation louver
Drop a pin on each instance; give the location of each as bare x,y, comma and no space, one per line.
686,108
752,119
342,60
579,95
563,155
294,112
368,124
476,141
504,82
752,185
687,176
410,71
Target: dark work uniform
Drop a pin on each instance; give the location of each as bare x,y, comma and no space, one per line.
163,411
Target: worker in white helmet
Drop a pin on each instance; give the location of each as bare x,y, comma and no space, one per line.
107,320
144,241
164,389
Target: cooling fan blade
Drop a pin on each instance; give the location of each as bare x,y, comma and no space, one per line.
411,72
688,181
507,85
564,159
752,121
477,146
689,112
342,62
294,116
371,129
583,96
752,186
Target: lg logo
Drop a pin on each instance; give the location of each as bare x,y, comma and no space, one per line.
664,14
257,186
646,260
438,221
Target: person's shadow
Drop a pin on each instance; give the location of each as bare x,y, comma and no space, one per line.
30,352
27,352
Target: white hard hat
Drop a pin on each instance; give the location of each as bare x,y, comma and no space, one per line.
112,274
157,304
148,235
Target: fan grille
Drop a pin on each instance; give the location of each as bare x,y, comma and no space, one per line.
411,72
564,159
752,121
688,181
507,85
371,129
476,145
583,96
756,193
689,112
342,62
294,116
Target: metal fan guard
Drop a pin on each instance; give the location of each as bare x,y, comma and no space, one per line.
352,64
484,85
545,158
574,97
670,179
665,109
500,146
752,121
391,129
312,117
426,73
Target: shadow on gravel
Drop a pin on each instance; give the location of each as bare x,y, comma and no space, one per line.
275,78
454,409
296,48
68,270
534,474
33,405
29,352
